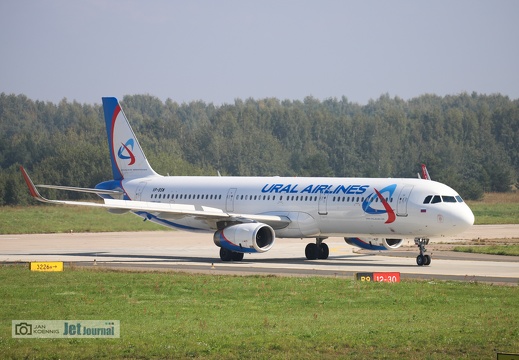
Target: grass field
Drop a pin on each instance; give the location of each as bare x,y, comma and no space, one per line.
496,208
509,250
61,219
173,315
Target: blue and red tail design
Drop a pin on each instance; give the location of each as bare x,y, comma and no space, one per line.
128,159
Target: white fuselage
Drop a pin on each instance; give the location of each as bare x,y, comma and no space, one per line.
316,207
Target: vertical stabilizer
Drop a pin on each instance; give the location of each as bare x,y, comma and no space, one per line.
128,159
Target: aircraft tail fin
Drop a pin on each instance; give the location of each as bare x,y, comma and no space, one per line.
128,159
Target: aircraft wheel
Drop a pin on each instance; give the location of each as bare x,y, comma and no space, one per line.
311,251
426,260
324,251
420,260
237,256
226,255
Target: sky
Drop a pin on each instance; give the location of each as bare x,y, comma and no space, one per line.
219,51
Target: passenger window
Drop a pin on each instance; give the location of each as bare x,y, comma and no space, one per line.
436,199
449,199
427,199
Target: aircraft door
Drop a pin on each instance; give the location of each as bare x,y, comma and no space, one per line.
323,206
229,204
140,189
401,209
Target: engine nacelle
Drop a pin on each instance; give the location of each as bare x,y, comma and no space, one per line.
375,243
246,238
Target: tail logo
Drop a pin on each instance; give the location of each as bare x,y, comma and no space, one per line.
126,151
366,205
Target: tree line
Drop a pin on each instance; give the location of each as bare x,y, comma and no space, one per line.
468,141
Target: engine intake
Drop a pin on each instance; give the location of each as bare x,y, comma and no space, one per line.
246,238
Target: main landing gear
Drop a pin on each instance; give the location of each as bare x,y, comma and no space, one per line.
422,260
228,255
319,250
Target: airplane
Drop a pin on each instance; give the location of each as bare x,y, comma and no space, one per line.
425,173
247,214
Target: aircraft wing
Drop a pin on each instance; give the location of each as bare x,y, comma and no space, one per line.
169,211
78,189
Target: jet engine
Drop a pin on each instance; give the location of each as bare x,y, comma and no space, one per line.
246,238
375,243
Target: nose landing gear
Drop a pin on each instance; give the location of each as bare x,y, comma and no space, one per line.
422,259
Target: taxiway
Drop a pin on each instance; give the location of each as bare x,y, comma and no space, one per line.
196,252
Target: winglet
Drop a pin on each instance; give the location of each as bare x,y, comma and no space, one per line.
425,173
32,189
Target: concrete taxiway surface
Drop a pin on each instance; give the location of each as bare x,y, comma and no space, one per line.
196,252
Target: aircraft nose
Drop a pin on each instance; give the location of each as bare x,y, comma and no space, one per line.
465,218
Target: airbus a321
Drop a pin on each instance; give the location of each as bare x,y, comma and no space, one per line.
247,214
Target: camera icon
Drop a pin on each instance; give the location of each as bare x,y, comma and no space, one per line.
23,329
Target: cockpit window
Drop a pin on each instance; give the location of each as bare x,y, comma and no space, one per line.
436,199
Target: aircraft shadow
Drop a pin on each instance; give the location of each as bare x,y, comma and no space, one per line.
359,260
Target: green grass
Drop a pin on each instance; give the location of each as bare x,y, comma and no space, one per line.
494,214
62,219
174,315
510,250
496,208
